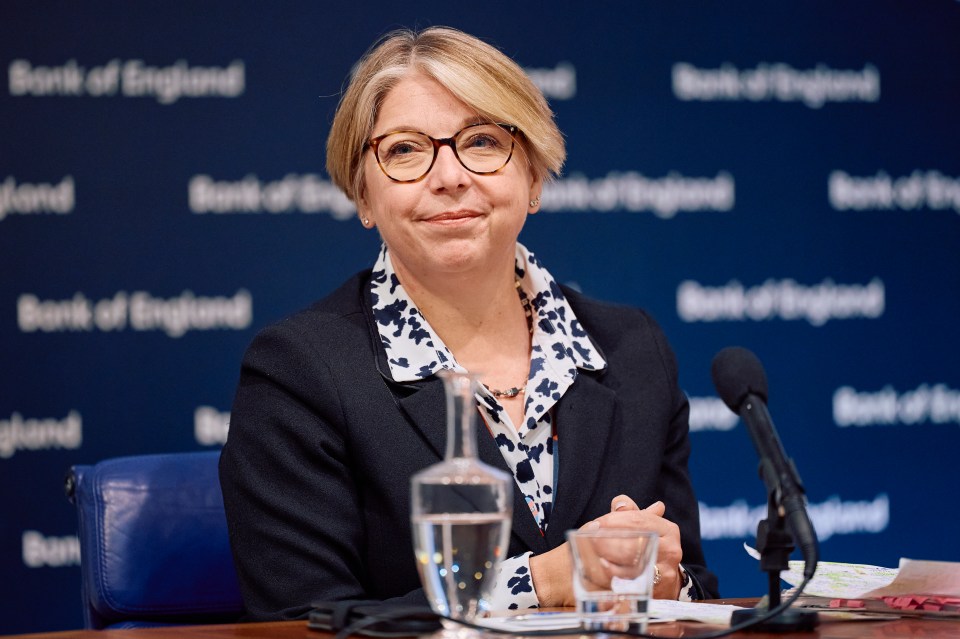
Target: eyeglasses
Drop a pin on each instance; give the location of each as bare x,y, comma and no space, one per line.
407,156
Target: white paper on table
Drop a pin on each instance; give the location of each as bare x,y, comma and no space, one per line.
837,580
533,620
714,614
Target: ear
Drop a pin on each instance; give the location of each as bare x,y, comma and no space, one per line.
364,210
536,189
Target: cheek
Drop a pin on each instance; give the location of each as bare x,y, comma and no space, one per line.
388,204
519,197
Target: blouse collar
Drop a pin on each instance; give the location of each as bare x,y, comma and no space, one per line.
415,352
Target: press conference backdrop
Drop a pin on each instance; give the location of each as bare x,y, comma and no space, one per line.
781,176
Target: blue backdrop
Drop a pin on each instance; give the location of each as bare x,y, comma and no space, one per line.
784,177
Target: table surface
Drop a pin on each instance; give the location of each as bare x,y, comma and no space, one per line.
902,627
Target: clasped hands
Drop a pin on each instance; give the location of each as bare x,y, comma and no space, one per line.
552,571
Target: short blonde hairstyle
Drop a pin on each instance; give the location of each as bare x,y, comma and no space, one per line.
478,74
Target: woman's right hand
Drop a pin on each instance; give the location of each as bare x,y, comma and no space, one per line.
552,571
552,574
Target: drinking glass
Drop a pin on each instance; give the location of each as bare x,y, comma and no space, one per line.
613,577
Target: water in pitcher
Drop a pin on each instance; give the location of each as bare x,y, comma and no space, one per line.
458,556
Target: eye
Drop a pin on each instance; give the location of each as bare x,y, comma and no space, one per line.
485,140
399,148
482,141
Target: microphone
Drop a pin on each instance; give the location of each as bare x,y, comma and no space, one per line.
742,385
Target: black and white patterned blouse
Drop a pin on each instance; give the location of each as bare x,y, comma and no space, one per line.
559,346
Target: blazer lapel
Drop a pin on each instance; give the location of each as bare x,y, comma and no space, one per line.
424,404
424,408
585,419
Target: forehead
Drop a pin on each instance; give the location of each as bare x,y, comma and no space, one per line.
421,103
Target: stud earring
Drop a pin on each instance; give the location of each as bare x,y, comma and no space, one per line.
534,202
365,221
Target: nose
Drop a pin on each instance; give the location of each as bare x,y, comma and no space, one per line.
447,172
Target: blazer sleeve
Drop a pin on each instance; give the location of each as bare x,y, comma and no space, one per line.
292,502
676,485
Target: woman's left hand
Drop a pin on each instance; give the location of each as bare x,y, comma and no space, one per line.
625,513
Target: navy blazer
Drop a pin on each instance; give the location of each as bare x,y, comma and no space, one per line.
322,444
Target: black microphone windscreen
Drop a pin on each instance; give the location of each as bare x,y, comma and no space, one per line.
737,372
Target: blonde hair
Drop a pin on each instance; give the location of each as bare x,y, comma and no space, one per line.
478,74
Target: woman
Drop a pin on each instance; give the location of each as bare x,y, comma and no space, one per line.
444,144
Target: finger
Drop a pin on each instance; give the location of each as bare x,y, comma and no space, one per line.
657,508
649,519
622,502
620,552
624,571
637,520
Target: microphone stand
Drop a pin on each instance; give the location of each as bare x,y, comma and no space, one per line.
775,543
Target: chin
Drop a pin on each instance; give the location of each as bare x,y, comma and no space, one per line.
459,258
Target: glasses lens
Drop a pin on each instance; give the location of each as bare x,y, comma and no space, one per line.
405,155
484,148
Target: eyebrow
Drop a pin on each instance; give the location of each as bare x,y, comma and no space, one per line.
468,121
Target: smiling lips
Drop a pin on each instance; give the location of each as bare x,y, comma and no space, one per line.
448,217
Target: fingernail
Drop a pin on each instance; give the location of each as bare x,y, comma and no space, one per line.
620,504
593,525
